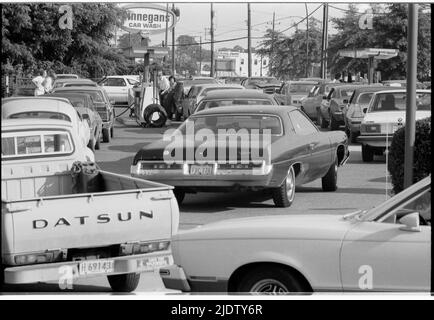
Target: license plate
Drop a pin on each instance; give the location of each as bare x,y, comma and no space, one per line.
204,170
152,263
96,267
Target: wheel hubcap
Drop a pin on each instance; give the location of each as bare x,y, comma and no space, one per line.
290,185
269,286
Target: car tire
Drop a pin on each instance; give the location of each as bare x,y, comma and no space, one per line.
320,120
105,135
367,153
330,180
333,124
179,195
97,143
124,282
91,145
284,195
269,280
352,137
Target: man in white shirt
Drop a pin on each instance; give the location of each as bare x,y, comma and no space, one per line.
38,82
48,82
163,86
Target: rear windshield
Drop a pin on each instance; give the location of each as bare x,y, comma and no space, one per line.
300,87
395,101
96,96
230,102
40,115
25,144
237,122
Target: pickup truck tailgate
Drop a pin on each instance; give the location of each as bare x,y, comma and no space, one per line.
90,220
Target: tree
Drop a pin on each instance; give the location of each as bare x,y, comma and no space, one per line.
32,39
288,57
390,31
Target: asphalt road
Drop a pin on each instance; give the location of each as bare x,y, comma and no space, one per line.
360,186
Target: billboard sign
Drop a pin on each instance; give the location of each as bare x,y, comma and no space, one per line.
148,19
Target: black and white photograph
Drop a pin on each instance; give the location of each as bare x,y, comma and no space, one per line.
198,150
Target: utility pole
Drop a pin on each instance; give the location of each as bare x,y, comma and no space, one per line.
324,41
173,45
212,42
272,47
410,114
249,42
307,41
200,55
167,24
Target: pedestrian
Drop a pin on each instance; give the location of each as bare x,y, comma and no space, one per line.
177,94
48,81
38,82
163,86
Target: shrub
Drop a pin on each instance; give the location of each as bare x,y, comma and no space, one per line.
421,158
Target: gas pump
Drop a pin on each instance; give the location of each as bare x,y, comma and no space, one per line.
148,111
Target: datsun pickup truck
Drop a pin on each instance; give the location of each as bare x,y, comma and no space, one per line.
56,226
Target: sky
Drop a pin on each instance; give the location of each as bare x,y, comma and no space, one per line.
230,20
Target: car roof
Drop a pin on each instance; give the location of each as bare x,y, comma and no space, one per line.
84,88
372,88
232,94
33,123
402,91
69,94
54,104
312,82
247,109
76,80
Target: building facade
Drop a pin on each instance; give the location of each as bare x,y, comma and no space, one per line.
235,63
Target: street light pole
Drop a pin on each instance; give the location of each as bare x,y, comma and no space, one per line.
167,25
173,45
410,114
324,42
307,41
200,56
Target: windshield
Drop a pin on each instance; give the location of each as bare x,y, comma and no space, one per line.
300,87
40,115
396,101
236,122
223,103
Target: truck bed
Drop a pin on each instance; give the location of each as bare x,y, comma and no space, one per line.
36,181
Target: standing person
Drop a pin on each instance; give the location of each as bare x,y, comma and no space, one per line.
163,86
177,93
48,81
38,82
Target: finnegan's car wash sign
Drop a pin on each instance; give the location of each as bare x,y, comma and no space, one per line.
148,18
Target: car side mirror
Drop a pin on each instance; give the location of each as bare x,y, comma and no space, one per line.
365,110
410,222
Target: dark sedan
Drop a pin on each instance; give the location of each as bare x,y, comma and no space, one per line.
103,106
244,147
224,98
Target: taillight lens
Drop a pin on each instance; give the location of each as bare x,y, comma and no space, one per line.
39,257
143,247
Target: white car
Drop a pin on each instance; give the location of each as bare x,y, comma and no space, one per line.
385,114
119,88
46,108
386,248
